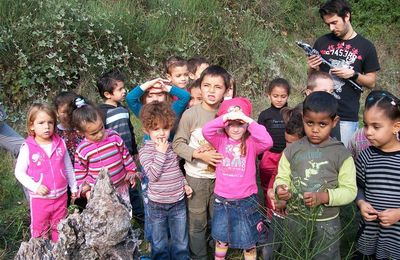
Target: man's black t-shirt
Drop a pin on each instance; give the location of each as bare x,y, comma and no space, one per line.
358,54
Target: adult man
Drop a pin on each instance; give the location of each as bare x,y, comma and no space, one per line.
352,56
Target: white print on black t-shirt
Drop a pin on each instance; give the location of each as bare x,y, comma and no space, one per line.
348,54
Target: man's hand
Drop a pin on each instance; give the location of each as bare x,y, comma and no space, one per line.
367,211
343,73
313,199
282,191
42,190
314,61
389,217
210,157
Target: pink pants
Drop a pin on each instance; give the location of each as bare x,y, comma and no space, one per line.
268,169
46,214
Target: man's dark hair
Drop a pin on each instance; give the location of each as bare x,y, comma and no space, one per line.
339,7
321,102
107,81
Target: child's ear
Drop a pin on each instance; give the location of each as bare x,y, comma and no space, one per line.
396,127
307,92
336,120
191,76
107,94
169,76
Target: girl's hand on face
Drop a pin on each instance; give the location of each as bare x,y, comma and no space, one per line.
155,83
188,191
237,115
389,217
162,145
367,211
42,190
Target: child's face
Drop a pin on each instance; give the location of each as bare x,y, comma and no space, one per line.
199,70
155,94
179,76
212,90
195,97
318,126
291,138
322,84
159,134
94,132
236,129
62,114
43,127
119,92
229,93
379,129
278,97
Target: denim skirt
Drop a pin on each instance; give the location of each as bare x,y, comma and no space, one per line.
235,221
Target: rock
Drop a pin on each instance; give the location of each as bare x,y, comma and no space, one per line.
102,231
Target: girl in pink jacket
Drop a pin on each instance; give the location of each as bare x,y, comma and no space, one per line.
45,169
237,221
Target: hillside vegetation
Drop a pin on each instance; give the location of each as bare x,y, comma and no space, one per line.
50,45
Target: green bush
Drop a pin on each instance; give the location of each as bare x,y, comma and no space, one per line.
54,47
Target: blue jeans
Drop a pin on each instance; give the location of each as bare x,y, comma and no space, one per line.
347,130
172,217
147,227
235,221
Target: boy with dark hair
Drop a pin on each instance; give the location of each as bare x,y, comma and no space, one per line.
111,88
195,93
176,70
316,175
353,58
200,161
196,65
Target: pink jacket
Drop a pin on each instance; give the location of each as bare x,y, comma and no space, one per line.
236,174
48,171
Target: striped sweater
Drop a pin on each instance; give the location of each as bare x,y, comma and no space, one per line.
378,181
110,153
166,181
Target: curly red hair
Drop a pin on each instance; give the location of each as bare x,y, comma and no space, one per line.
157,115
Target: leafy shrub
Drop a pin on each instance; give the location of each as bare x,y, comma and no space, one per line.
58,49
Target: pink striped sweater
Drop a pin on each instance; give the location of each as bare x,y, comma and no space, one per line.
110,153
166,181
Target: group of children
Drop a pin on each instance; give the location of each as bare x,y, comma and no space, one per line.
199,161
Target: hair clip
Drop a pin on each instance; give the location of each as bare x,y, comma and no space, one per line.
80,102
393,103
